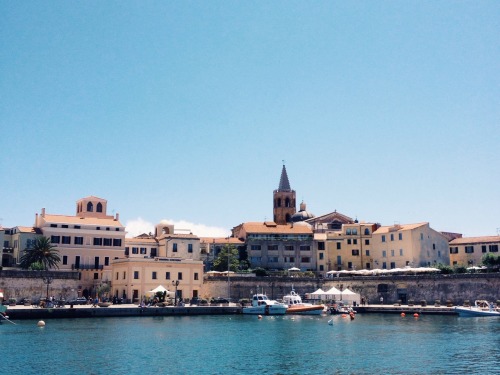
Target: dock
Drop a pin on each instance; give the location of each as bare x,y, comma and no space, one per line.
407,309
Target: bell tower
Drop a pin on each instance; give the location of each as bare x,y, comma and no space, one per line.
283,200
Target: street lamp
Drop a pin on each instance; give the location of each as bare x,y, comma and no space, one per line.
176,284
47,280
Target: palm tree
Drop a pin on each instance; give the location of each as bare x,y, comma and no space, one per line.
42,253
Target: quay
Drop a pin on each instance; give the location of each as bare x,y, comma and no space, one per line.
128,310
123,310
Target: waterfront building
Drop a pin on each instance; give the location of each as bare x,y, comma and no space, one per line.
469,251
210,247
416,245
15,241
166,258
87,241
278,246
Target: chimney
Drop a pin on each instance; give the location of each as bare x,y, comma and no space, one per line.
43,212
117,218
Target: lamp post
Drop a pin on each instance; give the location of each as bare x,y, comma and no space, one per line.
47,280
228,281
176,284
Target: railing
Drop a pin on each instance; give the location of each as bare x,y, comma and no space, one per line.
86,267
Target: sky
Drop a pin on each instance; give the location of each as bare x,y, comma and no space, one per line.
386,111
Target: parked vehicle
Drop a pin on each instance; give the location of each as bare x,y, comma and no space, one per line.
78,301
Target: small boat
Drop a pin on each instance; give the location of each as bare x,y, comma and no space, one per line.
262,305
480,308
340,308
3,315
296,306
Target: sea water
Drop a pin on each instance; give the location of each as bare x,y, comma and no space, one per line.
240,344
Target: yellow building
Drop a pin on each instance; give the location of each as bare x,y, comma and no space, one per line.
469,251
416,245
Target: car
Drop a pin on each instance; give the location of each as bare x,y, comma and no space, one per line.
78,301
218,300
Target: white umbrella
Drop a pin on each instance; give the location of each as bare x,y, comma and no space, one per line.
294,269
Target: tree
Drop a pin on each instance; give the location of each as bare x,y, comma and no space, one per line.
228,252
491,261
42,255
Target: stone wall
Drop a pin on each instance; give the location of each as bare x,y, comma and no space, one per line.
456,288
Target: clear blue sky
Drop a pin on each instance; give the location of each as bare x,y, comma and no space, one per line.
388,111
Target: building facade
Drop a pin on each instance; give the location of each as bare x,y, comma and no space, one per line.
469,251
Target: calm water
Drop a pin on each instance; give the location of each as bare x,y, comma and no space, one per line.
371,344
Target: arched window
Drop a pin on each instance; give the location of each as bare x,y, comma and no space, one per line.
99,207
287,202
90,207
367,231
279,202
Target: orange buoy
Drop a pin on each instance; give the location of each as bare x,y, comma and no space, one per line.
344,316
403,314
415,315
260,316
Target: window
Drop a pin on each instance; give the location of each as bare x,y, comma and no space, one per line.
321,256
174,247
367,252
255,247
384,253
77,227
348,241
107,242
453,250
117,275
97,241
493,248
368,266
469,249
321,268
106,261
348,232
354,232
98,228
272,247
367,242
124,275
167,275
135,250
384,265
393,265
355,253
190,247
273,259
305,247
392,253
136,275
433,246
55,239
483,248
179,275
196,275
65,259
99,207
367,232
117,242
289,247
305,260
126,250
400,235
153,275
66,240
349,264
321,245
338,245
421,236
143,250
400,252
96,276
90,207
392,236
354,241
53,225
383,238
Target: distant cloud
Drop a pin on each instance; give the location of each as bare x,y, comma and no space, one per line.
139,226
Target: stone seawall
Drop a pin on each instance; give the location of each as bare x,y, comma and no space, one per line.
456,288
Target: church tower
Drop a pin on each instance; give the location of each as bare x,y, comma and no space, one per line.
283,200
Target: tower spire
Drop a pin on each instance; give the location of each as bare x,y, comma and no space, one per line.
284,183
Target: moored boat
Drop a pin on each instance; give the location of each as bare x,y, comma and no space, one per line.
262,305
480,308
296,306
340,308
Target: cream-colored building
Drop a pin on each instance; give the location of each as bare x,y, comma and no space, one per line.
15,241
166,258
416,245
469,251
87,242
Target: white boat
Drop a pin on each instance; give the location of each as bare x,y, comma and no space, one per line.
480,308
261,305
296,306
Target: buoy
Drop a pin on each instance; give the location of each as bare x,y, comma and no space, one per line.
260,316
403,314
330,322
41,323
344,316
415,315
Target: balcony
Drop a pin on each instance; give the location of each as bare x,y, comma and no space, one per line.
90,267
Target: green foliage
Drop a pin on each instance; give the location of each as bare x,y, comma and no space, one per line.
460,269
103,289
491,261
445,269
43,255
228,252
260,272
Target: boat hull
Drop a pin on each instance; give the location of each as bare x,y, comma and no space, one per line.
305,310
471,312
265,310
